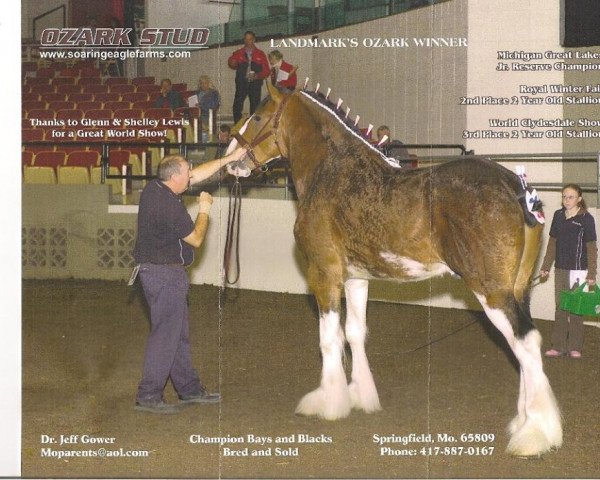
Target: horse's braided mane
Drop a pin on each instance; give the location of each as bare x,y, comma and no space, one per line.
340,116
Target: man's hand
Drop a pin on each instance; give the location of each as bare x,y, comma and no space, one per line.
544,274
238,169
205,200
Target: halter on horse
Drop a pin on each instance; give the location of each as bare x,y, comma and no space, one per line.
359,217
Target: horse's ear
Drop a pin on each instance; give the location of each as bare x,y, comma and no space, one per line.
274,91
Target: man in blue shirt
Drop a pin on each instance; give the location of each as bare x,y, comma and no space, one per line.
166,239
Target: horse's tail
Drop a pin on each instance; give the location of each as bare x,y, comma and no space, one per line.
531,250
533,215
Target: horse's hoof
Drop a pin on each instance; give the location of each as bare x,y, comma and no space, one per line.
364,400
330,405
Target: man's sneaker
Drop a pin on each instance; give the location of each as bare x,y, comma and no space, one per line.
159,407
202,397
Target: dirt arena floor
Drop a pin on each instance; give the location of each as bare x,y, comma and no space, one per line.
83,344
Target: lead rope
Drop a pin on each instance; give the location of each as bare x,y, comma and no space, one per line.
233,232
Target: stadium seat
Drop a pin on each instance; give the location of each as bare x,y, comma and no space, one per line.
68,89
116,81
150,89
33,104
39,175
89,72
95,88
143,105
135,97
37,81
99,114
41,114
83,81
61,105
27,158
85,106
63,81
81,97
122,88
68,72
49,159
47,72
29,97
69,114
117,105
106,97
68,175
54,97
42,89
127,113
142,80
83,158
180,87
158,113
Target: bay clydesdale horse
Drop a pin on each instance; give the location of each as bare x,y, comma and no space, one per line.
360,217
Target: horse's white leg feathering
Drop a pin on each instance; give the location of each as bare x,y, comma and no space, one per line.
332,399
537,428
363,392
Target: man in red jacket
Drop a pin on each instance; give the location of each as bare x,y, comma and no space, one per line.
282,73
251,68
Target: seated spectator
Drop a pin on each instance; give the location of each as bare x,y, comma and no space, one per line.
168,98
224,139
282,73
208,98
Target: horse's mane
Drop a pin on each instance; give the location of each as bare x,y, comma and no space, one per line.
338,114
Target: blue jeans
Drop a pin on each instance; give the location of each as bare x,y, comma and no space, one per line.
168,347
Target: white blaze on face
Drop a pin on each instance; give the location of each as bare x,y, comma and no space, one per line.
236,169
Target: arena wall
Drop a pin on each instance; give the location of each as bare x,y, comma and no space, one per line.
69,231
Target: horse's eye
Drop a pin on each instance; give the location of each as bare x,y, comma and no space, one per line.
257,118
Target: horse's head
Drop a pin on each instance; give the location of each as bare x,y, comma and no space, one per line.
261,134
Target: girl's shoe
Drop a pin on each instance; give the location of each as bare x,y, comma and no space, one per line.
554,353
575,354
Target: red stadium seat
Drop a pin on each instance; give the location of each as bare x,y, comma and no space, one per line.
127,113
150,89
41,114
158,113
89,72
119,105
69,114
27,158
37,81
122,88
69,72
68,89
116,81
81,97
49,159
180,87
89,105
89,81
106,97
118,158
142,80
54,97
135,97
29,97
100,114
95,88
32,135
61,105
42,89
63,81
33,104
83,158
47,72
144,105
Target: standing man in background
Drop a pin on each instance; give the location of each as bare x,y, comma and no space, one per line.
164,247
251,68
